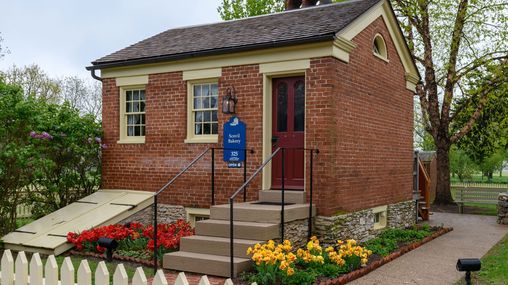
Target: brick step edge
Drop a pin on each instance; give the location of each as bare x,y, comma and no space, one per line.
345,278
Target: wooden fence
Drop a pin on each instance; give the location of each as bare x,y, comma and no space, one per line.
16,272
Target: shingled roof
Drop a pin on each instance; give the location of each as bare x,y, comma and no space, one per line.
319,23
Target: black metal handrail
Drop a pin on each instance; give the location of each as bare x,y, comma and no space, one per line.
185,169
244,185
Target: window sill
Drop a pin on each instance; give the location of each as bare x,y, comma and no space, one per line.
204,139
139,140
381,57
378,226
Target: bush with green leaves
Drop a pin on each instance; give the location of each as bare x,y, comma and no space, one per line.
49,155
390,239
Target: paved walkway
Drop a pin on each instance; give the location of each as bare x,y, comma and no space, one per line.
434,262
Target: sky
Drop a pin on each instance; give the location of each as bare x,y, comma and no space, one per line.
64,36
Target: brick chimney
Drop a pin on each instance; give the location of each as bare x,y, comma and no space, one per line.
296,4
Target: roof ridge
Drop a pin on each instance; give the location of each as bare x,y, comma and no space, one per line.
324,6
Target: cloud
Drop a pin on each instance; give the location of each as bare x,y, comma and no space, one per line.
65,36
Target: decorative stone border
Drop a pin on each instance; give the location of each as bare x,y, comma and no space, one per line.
345,278
115,257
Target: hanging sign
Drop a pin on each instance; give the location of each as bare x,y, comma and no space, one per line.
234,141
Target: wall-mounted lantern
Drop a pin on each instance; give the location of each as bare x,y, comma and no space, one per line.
229,101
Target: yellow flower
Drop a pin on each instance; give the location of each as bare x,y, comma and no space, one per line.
290,271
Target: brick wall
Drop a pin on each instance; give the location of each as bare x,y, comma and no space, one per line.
359,115
374,127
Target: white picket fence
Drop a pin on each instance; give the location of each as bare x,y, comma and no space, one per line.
21,272
23,211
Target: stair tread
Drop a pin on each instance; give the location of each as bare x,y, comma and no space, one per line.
254,206
223,239
204,256
239,223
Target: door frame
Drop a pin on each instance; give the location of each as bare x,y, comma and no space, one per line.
267,122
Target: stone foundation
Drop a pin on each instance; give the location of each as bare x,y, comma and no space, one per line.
166,214
360,225
296,231
502,209
401,215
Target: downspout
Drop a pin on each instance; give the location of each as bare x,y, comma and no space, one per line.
94,76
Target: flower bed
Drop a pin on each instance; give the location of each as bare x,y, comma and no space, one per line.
134,240
336,264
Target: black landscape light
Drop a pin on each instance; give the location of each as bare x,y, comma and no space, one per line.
110,245
468,265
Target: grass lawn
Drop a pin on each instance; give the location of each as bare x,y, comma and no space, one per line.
483,209
23,221
494,266
477,178
129,267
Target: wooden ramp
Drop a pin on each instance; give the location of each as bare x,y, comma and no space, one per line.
48,235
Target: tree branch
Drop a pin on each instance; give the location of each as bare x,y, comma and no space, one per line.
491,85
452,61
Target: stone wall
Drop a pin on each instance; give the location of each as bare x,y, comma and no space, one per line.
296,231
502,209
166,214
360,225
401,215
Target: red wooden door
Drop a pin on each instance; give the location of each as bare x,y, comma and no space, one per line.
288,117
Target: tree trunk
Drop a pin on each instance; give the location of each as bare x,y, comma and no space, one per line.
443,194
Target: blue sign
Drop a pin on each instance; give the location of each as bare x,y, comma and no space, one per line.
234,140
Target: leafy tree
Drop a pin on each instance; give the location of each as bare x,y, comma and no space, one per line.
238,9
34,82
49,154
15,151
85,95
450,40
487,142
3,49
461,165
82,94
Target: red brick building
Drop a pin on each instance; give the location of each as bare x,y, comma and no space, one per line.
337,77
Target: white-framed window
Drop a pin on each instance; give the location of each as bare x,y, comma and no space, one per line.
132,114
379,47
202,113
380,217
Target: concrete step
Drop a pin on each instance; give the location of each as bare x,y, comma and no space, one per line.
204,263
216,245
297,197
252,212
241,230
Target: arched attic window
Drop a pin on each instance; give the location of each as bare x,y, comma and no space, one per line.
379,47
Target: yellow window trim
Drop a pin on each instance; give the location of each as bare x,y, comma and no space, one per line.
191,137
124,139
283,66
132,80
201,74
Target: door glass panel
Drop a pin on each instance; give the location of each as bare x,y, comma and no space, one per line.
299,117
282,107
